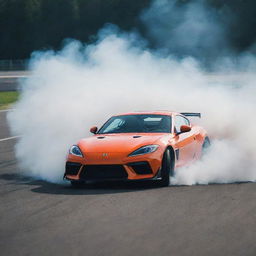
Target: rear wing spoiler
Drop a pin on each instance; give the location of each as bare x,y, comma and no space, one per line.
191,114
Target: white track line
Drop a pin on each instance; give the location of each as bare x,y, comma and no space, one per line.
4,77
6,110
10,138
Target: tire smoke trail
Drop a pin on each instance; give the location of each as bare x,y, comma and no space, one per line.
82,85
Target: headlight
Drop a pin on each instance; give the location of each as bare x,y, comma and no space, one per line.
144,150
75,150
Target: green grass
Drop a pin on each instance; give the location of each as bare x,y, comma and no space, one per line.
7,98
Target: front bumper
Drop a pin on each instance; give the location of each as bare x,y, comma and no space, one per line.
95,168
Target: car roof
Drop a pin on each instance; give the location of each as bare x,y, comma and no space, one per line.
157,112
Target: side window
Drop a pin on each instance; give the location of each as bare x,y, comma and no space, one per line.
187,121
179,121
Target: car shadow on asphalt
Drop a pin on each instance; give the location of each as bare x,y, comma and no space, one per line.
97,188
109,187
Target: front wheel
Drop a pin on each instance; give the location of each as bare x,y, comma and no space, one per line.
166,169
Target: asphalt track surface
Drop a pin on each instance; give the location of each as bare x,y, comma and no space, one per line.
39,218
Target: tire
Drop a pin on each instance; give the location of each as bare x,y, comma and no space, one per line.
166,169
206,145
76,183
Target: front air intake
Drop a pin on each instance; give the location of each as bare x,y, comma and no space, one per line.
104,172
141,167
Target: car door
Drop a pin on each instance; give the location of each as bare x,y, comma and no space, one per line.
184,142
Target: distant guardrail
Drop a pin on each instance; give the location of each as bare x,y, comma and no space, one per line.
9,65
10,80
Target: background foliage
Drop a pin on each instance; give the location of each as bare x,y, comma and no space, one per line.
28,25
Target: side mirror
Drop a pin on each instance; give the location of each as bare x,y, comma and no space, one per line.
183,129
94,129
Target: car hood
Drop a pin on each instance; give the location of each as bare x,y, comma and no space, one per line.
119,143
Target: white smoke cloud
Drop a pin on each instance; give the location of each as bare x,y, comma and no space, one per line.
82,85
188,28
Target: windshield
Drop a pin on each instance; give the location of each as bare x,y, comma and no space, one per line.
137,124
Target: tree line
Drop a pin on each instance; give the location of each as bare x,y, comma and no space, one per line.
28,25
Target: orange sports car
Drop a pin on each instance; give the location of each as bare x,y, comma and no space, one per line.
137,146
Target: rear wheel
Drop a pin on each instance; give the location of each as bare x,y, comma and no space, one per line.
206,145
167,169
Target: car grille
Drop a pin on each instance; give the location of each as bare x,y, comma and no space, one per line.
72,168
141,167
91,172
